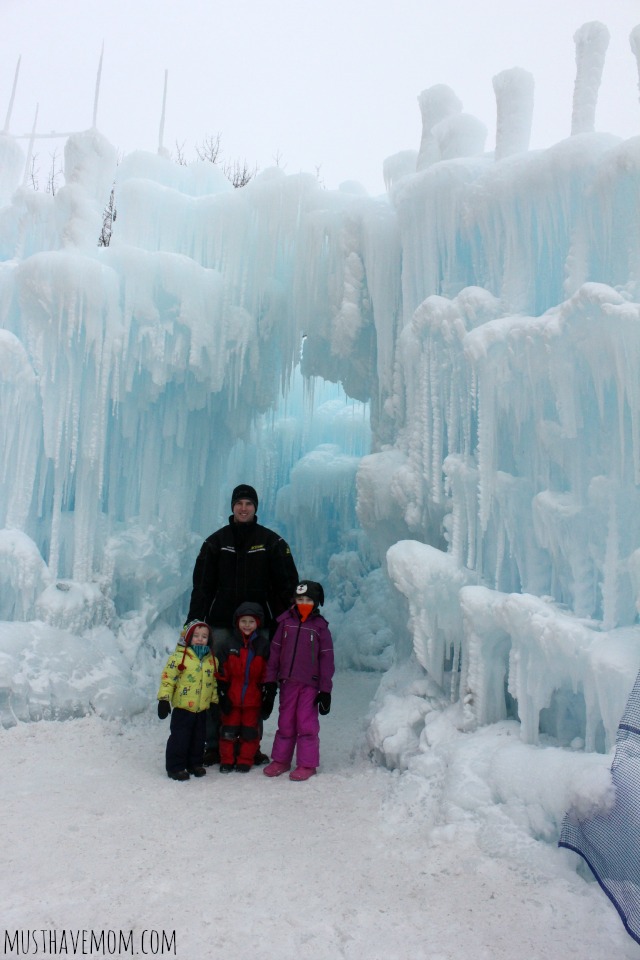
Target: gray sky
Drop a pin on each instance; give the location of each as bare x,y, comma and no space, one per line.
325,86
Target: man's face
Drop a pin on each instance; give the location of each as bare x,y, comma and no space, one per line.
243,511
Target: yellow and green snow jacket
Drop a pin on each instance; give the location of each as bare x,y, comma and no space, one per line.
193,688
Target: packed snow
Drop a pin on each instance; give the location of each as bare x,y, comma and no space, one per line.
453,858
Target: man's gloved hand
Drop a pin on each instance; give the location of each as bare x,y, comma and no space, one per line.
269,691
223,697
323,701
164,709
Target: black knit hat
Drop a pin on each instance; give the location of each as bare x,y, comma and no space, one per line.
309,588
244,492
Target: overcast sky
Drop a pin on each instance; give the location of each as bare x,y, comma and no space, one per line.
326,87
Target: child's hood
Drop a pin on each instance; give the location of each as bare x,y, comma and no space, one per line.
249,609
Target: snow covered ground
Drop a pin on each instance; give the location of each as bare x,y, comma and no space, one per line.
358,863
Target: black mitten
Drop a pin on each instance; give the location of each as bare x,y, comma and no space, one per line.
323,701
223,697
164,709
269,691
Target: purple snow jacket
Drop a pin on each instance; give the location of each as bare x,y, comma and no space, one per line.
302,651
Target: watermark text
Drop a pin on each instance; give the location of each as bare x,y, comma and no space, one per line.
88,943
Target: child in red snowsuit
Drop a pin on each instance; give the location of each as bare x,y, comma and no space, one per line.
243,661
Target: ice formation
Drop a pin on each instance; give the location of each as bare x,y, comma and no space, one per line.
465,480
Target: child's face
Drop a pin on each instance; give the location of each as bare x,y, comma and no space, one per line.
200,636
305,607
247,625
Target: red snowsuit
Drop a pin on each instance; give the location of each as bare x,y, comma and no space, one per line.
243,665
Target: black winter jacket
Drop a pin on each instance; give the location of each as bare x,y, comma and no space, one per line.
242,561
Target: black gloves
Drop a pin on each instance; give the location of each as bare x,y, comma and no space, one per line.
164,709
223,697
269,691
323,700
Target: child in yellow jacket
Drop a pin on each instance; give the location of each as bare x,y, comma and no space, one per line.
188,685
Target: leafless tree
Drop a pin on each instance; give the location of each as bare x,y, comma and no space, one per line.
209,149
53,176
54,173
108,219
180,157
33,173
238,173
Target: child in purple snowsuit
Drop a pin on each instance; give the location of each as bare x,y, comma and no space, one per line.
301,659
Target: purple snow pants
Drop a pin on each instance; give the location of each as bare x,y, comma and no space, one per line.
298,725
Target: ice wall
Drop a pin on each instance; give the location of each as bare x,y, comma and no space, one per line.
473,505
140,380
515,414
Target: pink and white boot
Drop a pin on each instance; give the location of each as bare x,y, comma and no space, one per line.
301,773
276,769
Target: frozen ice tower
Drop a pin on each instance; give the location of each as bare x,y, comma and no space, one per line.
592,40
514,102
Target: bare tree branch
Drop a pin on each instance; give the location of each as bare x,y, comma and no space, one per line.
54,173
210,149
33,173
180,158
239,173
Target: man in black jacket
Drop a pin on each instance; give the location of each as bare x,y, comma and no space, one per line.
242,561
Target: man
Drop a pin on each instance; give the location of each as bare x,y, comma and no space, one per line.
242,561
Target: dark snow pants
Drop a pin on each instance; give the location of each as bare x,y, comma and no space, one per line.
185,746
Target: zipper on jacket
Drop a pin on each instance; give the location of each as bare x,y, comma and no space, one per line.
247,668
295,650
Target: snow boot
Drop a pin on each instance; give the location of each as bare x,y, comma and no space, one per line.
198,771
276,769
178,774
301,773
211,757
260,758
227,767
242,767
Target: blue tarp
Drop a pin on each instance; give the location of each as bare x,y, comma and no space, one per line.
610,842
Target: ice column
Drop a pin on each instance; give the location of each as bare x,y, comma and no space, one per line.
592,40
514,101
436,104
